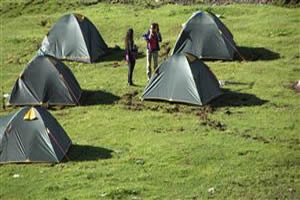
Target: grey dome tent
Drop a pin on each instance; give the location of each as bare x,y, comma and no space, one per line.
46,80
74,38
182,78
205,36
32,135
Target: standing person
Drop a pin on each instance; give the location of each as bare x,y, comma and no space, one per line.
130,54
152,37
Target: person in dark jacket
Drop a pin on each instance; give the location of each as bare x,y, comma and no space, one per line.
130,54
152,37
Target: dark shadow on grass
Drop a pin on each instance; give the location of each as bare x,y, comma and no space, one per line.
257,53
237,99
96,97
88,153
116,54
238,83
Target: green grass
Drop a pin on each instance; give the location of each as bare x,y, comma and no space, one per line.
248,147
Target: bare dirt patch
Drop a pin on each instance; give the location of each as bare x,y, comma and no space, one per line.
257,138
203,114
131,102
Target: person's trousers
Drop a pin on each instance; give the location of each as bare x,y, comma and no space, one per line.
150,55
131,64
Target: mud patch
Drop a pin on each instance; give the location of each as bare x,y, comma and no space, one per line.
257,138
213,124
115,64
172,109
205,120
44,22
130,101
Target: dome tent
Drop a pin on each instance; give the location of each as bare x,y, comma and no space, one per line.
32,135
46,80
74,38
183,78
205,36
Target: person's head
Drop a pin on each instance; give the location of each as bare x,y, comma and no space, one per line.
154,27
129,36
157,27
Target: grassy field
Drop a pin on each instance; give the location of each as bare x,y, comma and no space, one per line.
245,145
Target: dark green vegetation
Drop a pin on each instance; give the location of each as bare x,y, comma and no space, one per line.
246,145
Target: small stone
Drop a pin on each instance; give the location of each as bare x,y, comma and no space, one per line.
103,195
291,190
211,190
16,175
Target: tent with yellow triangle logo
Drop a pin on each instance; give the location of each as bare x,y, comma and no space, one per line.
32,135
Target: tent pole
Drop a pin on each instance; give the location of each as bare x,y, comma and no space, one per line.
59,146
3,99
64,80
234,48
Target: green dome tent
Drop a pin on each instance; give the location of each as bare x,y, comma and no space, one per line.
32,135
46,80
205,36
183,78
74,38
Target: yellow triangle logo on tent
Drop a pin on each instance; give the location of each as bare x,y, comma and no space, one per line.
30,115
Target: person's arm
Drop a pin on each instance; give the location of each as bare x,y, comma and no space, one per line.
159,37
128,49
146,36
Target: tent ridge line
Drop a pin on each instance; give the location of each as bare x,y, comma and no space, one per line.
29,89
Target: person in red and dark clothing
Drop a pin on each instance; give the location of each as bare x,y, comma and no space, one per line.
130,54
152,37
